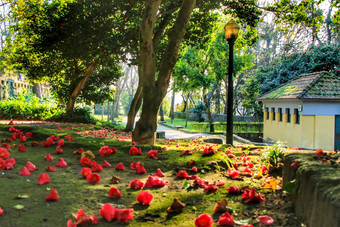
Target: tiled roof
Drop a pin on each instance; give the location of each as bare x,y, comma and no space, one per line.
318,85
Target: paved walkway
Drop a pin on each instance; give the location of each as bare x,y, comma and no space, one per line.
171,133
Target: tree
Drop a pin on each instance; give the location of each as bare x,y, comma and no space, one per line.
74,45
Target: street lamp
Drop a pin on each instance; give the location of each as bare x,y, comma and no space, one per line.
231,33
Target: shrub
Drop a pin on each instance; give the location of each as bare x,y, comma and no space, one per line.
79,115
273,155
27,108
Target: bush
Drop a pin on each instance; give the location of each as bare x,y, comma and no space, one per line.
27,108
199,110
273,155
79,115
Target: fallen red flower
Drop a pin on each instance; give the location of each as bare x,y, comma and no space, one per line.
226,219
234,190
51,168
84,219
29,135
21,148
266,220
48,157
61,143
30,166
106,164
140,170
204,220
115,193
200,182
182,174
210,188
3,164
61,163
119,166
85,172
154,181
295,163
250,196
135,151
79,151
58,150
159,173
107,212
144,198
4,153
85,162
208,151
53,196
96,167
43,179
11,123
1,211
319,152
124,215
11,160
104,151
194,169
136,184
22,139
93,178
12,129
234,174
134,165
153,154
187,152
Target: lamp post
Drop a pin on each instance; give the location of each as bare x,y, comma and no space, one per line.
231,33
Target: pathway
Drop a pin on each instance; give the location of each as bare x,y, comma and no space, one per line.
171,133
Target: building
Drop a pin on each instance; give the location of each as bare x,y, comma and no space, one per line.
304,112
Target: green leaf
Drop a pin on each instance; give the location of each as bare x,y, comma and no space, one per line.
289,187
186,184
23,196
19,207
243,222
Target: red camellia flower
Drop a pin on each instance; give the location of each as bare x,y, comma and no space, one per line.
319,152
136,184
250,196
12,129
159,173
85,162
96,167
61,163
295,163
247,170
154,181
79,151
29,135
233,174
3,164
194,169
11,123
53,196
187,152
119,166
210,188
104,151
11,160
51,168
93,178
266,220
4,153
134,165
140,170
234,190
135,151
124,215
30,166
85,172
43,178
115,193
108,212
48,157
106,164
144,198
84,219
22,139
61,143
226,219
153,154
21,148
69,138
182,174
208,151
1,211
58,150
204,220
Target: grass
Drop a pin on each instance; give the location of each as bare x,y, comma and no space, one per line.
75,192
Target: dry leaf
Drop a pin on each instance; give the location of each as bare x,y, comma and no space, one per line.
88,154
221,206
34,144
177,206
115,180
191,163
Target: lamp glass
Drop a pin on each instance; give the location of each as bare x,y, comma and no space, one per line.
231,30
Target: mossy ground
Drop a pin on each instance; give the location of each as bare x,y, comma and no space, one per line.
75,192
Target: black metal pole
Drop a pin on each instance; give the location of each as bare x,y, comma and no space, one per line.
230,91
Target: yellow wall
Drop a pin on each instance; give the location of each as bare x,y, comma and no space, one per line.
312,132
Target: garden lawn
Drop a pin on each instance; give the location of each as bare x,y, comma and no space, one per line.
77,193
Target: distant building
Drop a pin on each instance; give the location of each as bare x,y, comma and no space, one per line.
304,112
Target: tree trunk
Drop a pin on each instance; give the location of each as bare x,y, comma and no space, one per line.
37,90
185,104
218,99
161,112
172,108
155,91
81,84
134,107
186,111
207,107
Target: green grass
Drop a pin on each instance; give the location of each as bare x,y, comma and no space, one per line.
75,192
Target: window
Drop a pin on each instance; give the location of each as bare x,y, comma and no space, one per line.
297,116
267,113
273,112
280,114
288,115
